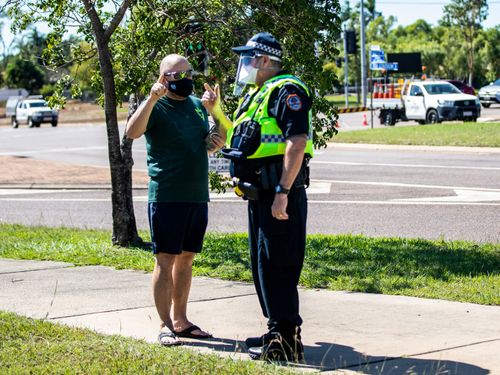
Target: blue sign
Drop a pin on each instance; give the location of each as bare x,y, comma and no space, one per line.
384,66
377,60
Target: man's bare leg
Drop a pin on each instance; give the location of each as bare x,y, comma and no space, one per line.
182,275
162,290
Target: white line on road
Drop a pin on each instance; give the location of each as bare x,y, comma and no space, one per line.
385,203
49,150
239,200
405,185
405,165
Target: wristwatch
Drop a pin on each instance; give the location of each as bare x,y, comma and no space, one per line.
281,190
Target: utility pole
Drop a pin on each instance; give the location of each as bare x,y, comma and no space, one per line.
346,82
363,54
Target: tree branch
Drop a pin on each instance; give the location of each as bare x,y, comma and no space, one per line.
94,19
117,19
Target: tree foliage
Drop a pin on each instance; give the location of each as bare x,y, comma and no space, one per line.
128,51
465,17
457,48
24,74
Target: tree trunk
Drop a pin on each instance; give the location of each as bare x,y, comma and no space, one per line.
470,55
120,160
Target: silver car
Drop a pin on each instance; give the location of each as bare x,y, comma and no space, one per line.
490,94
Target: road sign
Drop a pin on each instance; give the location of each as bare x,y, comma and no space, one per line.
377,57
384,66
377,60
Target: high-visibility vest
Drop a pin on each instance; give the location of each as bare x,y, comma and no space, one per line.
272,140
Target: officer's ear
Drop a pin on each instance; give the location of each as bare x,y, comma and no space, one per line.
266,61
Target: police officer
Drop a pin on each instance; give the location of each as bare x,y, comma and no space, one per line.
270,142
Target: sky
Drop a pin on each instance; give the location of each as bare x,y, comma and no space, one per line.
406,12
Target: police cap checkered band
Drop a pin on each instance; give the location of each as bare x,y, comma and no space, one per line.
262,42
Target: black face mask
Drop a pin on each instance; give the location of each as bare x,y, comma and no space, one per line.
182,87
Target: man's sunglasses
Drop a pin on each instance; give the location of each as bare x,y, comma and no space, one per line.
179,75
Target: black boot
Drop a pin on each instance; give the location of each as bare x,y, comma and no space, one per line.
280,348
253,342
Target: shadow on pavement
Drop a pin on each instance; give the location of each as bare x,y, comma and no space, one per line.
328,357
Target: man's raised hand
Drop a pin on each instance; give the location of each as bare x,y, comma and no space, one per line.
211,98
158,90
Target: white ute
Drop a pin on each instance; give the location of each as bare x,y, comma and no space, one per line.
33,112
430,102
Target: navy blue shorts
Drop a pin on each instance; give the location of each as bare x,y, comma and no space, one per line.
177,226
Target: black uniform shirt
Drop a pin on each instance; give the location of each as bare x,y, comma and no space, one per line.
290,106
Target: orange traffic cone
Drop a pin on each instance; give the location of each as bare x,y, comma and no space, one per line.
386,91
375,91
365,122
391,90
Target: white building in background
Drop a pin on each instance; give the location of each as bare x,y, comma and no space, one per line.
6,93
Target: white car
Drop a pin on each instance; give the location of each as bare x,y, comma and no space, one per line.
34,112
490,94
430,102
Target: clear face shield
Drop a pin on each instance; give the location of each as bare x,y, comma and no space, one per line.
247,71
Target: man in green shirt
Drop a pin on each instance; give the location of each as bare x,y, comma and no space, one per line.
175,125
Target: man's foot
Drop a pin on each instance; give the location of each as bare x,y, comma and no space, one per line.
193,332
168,338
252,342
279,349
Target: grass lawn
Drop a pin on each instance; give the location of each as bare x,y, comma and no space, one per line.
339,100
29,346
452,270
486,134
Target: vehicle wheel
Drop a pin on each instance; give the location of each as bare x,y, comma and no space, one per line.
30,122
432,117
421,122
14,122
37,124
389,119
54,124
486,105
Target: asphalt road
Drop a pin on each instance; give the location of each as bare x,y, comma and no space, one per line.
424,193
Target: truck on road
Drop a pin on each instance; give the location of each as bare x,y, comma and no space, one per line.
33,112
427,102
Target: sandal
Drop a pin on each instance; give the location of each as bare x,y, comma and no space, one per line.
168,338
188,333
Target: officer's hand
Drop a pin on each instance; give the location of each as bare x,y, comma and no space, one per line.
278,209
211,98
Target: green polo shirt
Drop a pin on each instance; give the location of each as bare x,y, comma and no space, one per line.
176,151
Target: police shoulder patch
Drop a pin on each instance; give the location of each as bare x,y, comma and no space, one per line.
294,102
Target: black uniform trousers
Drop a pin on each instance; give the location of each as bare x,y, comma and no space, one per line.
277,253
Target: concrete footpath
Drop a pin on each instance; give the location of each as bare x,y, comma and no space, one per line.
342,332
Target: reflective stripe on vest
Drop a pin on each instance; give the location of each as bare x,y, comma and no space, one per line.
272,141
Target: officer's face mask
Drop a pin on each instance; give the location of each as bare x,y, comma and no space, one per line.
246,74
248,67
